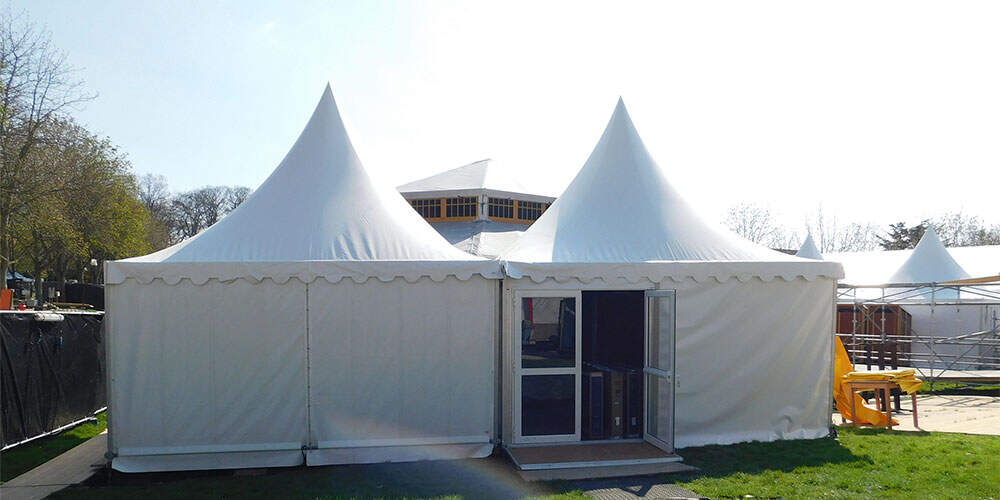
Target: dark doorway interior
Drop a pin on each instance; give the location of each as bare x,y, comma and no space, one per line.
613,341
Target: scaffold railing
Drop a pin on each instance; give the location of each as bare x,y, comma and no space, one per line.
942,348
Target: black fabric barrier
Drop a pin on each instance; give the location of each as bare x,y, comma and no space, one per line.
52,373
84,293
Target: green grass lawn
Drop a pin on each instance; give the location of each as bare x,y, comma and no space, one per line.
960,389
860,463
25,457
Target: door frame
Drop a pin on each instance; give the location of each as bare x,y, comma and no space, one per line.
668,375
519,372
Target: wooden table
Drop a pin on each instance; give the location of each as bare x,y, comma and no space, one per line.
878,385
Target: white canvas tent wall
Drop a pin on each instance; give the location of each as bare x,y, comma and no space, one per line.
754,326
321,321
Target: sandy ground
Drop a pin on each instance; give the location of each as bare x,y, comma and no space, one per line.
965,414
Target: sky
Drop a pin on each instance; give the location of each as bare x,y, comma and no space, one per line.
876,111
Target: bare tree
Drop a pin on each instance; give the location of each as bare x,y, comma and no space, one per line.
757,224
194,211
961,230
236,196
831,236
36,87
154,194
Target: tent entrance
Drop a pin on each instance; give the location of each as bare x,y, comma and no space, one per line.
613,381
594,366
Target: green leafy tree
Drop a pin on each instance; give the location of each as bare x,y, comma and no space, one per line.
37,88
901,237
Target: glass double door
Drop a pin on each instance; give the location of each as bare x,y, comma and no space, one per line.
548,367
658,372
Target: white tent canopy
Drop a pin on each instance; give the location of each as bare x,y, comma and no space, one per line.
620,208
876,266
319,206
244,345
808,250
743,312
930,262
485,238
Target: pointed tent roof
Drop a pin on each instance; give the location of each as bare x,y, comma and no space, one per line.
808,250
930,262
483,175
319,204
620,208
874,267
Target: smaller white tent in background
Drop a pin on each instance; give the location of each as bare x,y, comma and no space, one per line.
938,311
321,321
808,250
930,262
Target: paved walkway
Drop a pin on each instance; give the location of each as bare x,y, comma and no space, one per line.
965,414
633,487
72,467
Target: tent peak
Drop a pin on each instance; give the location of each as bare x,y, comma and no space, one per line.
319,203
620,181
809,250
930,262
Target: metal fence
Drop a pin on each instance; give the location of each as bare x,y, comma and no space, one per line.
943,347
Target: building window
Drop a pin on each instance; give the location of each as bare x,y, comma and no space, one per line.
461,207
501,208
428,209
529,210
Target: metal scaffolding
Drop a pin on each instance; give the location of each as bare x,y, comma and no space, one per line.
945,350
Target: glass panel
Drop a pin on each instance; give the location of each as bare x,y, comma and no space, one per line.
548,405
661,326
548,332
529,210
501,208
461,207
658,410
427,208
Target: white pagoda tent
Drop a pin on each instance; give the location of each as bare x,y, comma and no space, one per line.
741,333
941,311
323,321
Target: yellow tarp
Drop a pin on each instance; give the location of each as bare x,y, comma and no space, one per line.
843,368
906,378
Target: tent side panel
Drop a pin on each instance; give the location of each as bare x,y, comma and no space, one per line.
401,371
753,360
207,376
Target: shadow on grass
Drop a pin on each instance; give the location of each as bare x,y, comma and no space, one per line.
758,457
754,458
490,478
